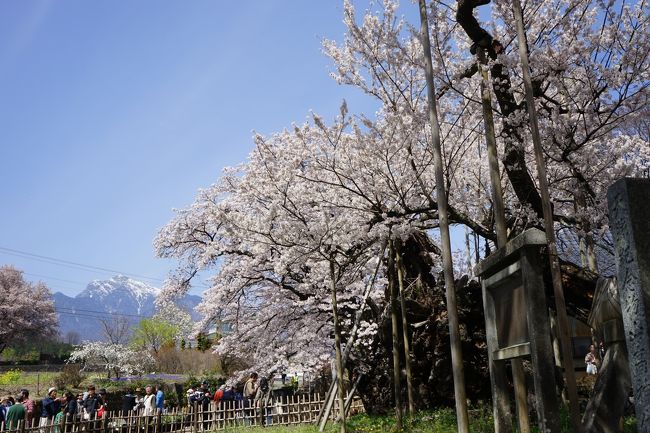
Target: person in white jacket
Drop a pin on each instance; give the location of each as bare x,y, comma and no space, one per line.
149,401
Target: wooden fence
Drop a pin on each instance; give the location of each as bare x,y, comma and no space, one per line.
279,411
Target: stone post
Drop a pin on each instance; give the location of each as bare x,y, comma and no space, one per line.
629,220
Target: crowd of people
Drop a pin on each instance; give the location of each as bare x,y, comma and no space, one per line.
256,393
255,388
69,408
56,410
149,403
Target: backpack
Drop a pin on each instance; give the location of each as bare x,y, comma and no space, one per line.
264,385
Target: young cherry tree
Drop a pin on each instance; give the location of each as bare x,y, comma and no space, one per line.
115,359
28,308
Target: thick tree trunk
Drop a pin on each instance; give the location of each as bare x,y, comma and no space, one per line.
432,378
514,160
425,312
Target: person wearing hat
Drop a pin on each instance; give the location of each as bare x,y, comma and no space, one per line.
190,397
80,405
50,407
205,396
139,401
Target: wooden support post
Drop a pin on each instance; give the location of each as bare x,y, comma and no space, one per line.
556,276
337,344
460,396
518,376
352,336
397,385
498,377
321,411
405,331
195,412
540,342
348,401
328,403
519,381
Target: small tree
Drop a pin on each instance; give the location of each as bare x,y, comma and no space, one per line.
112,358
117,330
28,309
72,337
203,342
152,334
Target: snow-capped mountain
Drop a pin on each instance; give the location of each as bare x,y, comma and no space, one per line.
113,292
118,297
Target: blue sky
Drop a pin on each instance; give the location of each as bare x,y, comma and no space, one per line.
113,113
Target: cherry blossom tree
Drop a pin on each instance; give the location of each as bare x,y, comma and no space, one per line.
590,62
270,228
27,308
115,359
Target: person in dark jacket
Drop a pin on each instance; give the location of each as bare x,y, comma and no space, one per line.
91,403
4,407
69,410
128,402
204,402
51,405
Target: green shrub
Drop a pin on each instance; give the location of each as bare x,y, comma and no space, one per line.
71,375
10,377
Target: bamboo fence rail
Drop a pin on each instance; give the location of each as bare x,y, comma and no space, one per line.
292,410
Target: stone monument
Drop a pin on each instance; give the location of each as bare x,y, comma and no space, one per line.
629,221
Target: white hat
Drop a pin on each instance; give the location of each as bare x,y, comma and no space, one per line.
52,389
190,391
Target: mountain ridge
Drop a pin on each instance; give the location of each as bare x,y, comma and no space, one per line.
107,300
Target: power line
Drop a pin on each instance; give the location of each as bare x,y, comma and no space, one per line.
75,265
68,263
88,316
74,310
54,278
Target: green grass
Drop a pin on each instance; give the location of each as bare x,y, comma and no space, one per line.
438,421
27,379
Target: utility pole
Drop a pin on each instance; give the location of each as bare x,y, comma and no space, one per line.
556,276
441,197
